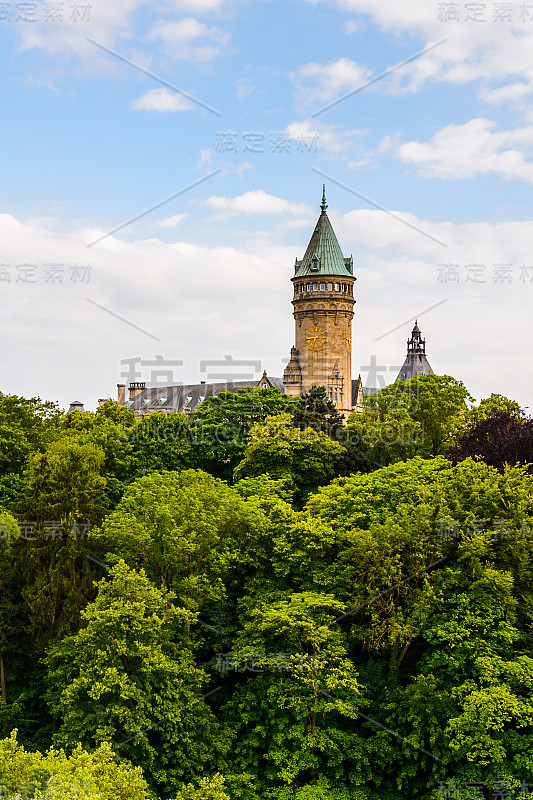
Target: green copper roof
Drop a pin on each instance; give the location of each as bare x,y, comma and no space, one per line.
324,250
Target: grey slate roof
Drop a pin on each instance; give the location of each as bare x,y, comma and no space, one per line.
416,362
367,390
414,366
326,248
186,399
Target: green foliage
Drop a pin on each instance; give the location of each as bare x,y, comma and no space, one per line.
163,442
127,677
419,416
376,438
187,529
222,425
293,636
64,483
489,406
95,776
315,410
113,411
26,427
208,789
62,497
306,457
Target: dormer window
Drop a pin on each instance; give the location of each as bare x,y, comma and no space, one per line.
315,264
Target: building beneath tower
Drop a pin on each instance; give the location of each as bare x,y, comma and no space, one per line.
323,311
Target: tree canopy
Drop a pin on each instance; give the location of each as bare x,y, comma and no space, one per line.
256,601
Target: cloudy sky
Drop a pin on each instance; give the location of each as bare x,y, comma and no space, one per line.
163,166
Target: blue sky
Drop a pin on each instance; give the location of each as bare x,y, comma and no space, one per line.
442,143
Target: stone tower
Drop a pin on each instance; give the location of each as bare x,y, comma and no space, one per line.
416,362
323,312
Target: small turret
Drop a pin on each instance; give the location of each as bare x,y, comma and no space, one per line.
293,371
415,363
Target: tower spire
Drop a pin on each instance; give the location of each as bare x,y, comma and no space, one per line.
323,205
416,362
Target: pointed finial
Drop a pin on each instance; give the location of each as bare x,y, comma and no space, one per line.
323,205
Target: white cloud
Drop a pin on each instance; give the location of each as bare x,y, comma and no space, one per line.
171,222
196,6
316,83
351,26
206,157
475,148
511,93
161,100
488,50
113,25
255,202
311,136
203,302
182,38
105,23
244,88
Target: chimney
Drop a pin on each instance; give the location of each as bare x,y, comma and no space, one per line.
102,401
136,388
121,393
76,406
202,383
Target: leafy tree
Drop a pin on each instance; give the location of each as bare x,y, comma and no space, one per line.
11,485
307,457
499,439
437,403
98,775
164,442
64,483
113,411
208,789
293,724
315,410
490,406
62,498
376,438
114,442
74,422
128,678
8,532
187,529
222,424
26,427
